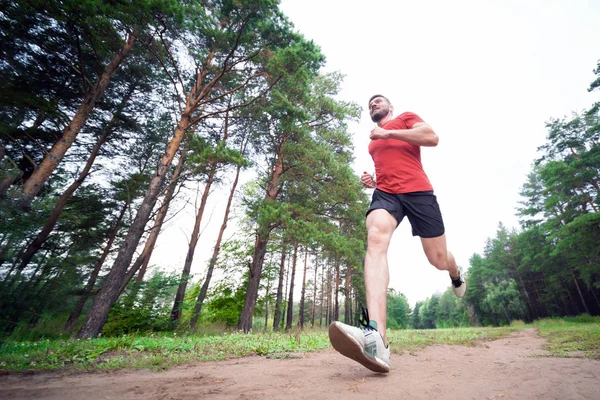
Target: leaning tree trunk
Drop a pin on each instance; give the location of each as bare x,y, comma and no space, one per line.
52,159
41,238
109,291
92,281
215,255
176,312
141,263
187,266
290,305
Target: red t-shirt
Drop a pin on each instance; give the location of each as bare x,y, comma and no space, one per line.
398,167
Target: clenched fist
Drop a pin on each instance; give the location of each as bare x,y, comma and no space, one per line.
367,180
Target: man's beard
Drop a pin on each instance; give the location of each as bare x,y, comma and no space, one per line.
379,115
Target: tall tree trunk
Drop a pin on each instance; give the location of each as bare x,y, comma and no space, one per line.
217,248
530,307
92,280
187,266
279,298
41,238
52,159
597,303
314,306
285,295
142,262
336,310
348,300
109,291
579,292
573,303
260,248
328,313
290,305
267,305
322,297
176,312
540,307
515,270
303,292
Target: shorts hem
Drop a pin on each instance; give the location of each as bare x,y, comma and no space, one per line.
429,236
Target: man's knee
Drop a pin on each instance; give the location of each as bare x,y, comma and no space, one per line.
378,238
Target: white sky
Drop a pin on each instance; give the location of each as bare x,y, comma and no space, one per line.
486,75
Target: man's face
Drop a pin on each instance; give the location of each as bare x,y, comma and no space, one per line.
379,108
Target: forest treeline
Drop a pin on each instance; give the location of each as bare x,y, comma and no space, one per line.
113,113
550,266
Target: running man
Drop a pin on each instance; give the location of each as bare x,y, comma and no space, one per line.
402,189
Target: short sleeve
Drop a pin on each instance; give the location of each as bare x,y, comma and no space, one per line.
410,119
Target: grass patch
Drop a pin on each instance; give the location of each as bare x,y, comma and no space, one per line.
414,339
568,337
571,336
152,352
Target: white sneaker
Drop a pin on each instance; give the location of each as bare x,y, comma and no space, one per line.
364,345
459,286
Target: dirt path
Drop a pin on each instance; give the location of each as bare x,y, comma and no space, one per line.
501,369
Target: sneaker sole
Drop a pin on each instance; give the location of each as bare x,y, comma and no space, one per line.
460,291
348,346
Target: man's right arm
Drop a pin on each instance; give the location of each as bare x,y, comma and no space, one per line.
367,180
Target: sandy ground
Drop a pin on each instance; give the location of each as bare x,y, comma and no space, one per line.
501,369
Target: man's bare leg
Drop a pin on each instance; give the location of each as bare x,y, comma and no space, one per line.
380,227
439,256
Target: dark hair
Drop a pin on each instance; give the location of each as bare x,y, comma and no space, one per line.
378,95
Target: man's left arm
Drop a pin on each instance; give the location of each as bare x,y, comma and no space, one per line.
421,134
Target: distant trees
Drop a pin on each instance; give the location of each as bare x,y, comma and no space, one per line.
551,265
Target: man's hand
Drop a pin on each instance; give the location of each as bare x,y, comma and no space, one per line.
367,180
379,133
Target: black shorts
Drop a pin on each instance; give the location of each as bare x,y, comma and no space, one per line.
421,208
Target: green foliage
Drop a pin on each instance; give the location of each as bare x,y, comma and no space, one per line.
578,243
37,292
552,267
398,310
451,311
226,305
144,307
